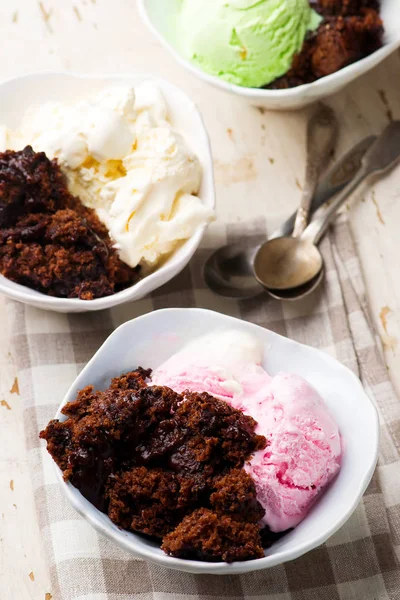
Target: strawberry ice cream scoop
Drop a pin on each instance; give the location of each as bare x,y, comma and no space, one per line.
304,447
303,453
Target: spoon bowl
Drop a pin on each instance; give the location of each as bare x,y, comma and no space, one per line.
229,272
299,292
285,263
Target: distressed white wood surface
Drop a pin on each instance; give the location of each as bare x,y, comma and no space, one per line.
259,161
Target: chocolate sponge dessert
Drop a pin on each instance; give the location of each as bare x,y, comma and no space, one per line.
165,465
349,31
49,241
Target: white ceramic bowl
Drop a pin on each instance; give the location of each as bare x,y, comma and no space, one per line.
158,14
17,94
151,339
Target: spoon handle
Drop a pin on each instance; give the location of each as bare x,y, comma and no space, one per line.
318,227
380,157
322,133
332,182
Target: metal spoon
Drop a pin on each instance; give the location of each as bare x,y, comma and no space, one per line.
229,270
279,263
294,267
322,133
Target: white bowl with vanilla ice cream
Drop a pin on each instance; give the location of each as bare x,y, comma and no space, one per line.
134,148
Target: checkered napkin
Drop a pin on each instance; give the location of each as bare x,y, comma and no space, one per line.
361,561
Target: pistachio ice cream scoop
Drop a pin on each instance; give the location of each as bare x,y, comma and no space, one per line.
245,42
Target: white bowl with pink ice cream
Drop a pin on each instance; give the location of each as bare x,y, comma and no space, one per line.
321,426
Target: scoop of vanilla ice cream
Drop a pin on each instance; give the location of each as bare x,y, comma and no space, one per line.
120,99
72,134
156,200
224,363
122,157
149,100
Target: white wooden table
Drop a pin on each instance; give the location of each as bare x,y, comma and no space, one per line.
259,164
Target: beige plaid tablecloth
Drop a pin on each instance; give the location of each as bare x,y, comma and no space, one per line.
361,561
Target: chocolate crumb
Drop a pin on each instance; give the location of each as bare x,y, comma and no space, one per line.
15,387
49,241
349,31
165,465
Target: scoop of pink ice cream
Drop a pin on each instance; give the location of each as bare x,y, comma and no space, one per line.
303,453
304,447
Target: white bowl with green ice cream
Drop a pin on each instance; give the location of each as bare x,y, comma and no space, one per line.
243,34
241,45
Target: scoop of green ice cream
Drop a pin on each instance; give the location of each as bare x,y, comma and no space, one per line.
246,42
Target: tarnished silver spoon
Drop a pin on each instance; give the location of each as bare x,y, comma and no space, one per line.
229,271
289,268
280,263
